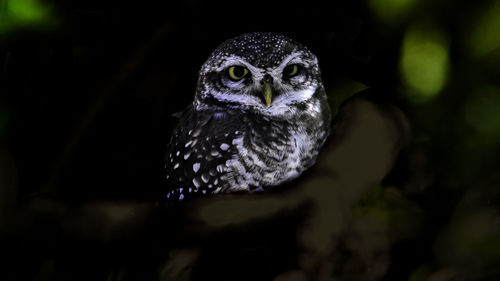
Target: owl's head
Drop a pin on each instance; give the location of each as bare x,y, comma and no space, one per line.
268,73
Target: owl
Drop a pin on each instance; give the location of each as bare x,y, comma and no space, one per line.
259,118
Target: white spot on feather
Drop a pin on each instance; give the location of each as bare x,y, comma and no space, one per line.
196,183
196,167
220,168
205,177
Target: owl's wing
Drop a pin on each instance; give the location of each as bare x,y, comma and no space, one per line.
199,148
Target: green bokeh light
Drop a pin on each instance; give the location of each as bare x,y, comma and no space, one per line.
424,62
482,112
16,14
485,34
390,11
27,10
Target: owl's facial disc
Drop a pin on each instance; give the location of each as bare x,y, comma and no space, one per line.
236,83
267,73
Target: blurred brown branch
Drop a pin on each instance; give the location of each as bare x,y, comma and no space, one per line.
362,150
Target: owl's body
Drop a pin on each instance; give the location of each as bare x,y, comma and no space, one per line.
252,125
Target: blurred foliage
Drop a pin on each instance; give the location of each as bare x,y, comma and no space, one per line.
483,37
424,62
345,88
421,274
392,11
86,93
26,14
482,114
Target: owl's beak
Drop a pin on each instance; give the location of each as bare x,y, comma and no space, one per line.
267,93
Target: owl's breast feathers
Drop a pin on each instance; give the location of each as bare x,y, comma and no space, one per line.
216,151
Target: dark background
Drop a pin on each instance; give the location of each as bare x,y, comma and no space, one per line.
87,90
88,100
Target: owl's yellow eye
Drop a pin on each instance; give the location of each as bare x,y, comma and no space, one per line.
237,72
291,70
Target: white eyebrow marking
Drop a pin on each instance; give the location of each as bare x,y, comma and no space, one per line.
290,59
257,73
